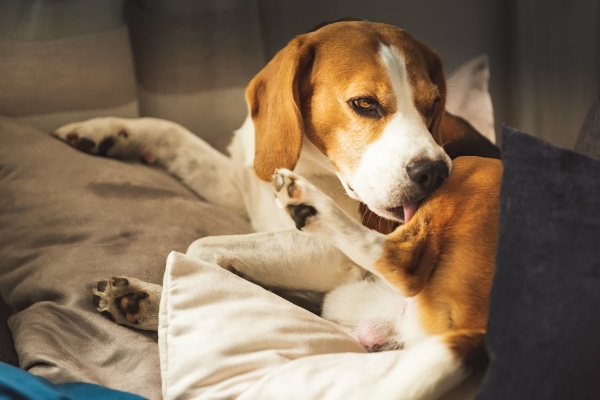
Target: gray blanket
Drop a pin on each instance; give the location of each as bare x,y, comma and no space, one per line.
68,219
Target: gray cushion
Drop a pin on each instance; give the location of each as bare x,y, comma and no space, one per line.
68,219
7,348
544,322
588,140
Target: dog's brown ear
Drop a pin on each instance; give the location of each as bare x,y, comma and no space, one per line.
274,104
455,134
437,76
409,255
459,138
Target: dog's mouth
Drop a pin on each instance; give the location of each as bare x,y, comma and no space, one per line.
404,212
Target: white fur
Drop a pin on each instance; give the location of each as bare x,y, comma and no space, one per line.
427,370
381,180
361,301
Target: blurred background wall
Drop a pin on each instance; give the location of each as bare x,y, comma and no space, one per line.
190,60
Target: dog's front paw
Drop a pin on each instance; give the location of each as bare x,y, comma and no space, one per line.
294,194
128,301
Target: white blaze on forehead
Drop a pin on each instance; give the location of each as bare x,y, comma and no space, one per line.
407,120
381,180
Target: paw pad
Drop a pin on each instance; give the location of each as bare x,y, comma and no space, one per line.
300,214
291,191
123,301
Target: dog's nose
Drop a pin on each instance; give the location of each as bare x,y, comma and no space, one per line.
428,174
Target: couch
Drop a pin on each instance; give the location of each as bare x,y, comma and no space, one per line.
68,219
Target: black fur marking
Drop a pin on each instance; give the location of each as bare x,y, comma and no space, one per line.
108,315
120,282
133,305
97,301
86,145
105,145
102,285
300,213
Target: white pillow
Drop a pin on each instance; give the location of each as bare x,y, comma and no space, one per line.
220,334
222,337
469,96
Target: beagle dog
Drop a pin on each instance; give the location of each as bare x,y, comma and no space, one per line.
354,105
431,277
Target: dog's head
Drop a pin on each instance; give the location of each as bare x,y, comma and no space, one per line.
368,96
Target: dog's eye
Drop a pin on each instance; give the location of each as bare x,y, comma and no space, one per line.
365,103
366,106
431,111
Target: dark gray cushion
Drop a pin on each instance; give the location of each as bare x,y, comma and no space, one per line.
68,219
588,140
7,347
544,323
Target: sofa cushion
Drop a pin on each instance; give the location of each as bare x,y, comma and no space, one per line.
544,322
64,61
588,140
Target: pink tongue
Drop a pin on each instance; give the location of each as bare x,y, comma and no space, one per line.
409,211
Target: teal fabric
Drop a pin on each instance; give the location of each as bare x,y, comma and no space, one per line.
16,384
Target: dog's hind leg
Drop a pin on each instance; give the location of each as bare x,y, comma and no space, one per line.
288,262
448,366
163,143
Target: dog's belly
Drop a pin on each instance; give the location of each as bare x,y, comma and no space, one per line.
378,334
375,314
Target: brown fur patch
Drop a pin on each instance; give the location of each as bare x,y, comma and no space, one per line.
73,137
469,347
445,255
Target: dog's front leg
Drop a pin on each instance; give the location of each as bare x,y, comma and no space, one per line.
286,259
315,213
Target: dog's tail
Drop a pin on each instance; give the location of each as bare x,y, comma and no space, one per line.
447,366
